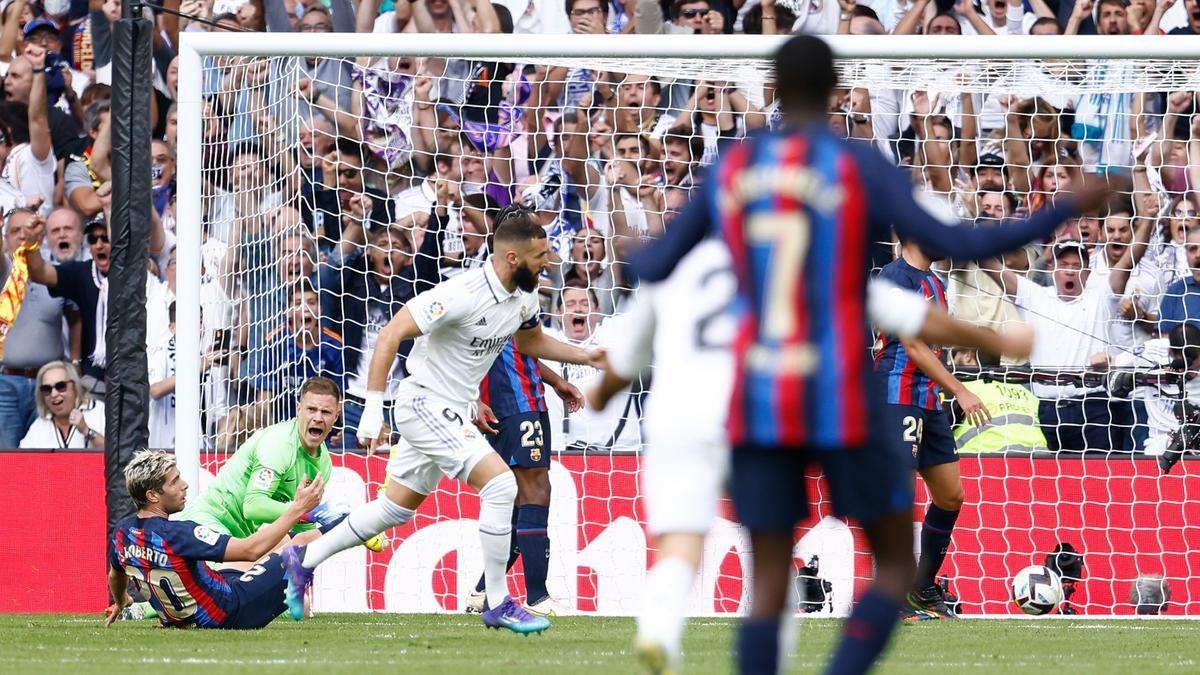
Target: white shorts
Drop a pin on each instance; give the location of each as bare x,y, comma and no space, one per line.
437,438
682,479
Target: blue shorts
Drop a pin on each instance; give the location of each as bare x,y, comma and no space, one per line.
259,592
926,434
524,440
866,483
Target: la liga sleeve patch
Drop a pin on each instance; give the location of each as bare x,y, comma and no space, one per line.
434,311
205,535
264,479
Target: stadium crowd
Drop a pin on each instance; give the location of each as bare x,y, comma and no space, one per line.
336,189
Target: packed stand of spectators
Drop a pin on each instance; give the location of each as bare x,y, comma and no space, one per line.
336,189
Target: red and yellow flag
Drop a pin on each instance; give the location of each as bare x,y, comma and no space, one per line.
13,293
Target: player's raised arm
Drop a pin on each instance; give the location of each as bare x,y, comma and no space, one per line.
891,204
907,315
656,260
257,545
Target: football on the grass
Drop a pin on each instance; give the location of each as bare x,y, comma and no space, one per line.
1037,590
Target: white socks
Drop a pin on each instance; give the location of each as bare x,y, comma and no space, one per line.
668,589
363,523
495,533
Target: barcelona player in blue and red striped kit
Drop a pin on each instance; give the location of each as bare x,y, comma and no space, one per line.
512,396
798,210
169,558
914,378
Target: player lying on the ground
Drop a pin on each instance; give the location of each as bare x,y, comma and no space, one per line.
915,377
255,486
512,411
798,210
170,558
686,464
459,326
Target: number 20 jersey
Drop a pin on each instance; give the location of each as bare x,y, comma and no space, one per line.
167,557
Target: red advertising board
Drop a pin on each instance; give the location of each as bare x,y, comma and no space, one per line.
52,557
1125,518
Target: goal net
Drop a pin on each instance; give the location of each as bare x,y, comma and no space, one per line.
322,185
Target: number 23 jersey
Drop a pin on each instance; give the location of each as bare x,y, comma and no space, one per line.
617,427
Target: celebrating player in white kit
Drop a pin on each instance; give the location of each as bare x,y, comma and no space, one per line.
460,327
685,323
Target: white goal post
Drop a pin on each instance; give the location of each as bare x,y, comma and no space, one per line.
754,51
953,65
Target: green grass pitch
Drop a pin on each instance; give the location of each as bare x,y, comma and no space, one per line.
459,644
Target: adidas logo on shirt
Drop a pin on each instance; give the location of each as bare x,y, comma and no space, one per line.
481,322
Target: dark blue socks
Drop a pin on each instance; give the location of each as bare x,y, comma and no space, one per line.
935,541
532,539
532,543
865,634
758,647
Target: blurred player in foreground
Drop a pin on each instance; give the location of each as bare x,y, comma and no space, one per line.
169,557
914,378
460,326
687,462
793,208
255,486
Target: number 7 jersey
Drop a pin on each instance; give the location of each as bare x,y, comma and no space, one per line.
798,210
791,209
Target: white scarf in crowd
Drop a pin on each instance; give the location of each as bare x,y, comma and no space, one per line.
98,354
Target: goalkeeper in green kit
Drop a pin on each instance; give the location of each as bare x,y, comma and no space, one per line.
256,485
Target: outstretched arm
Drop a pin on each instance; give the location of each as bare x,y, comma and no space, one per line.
907,315
941,328
892,202
535,343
